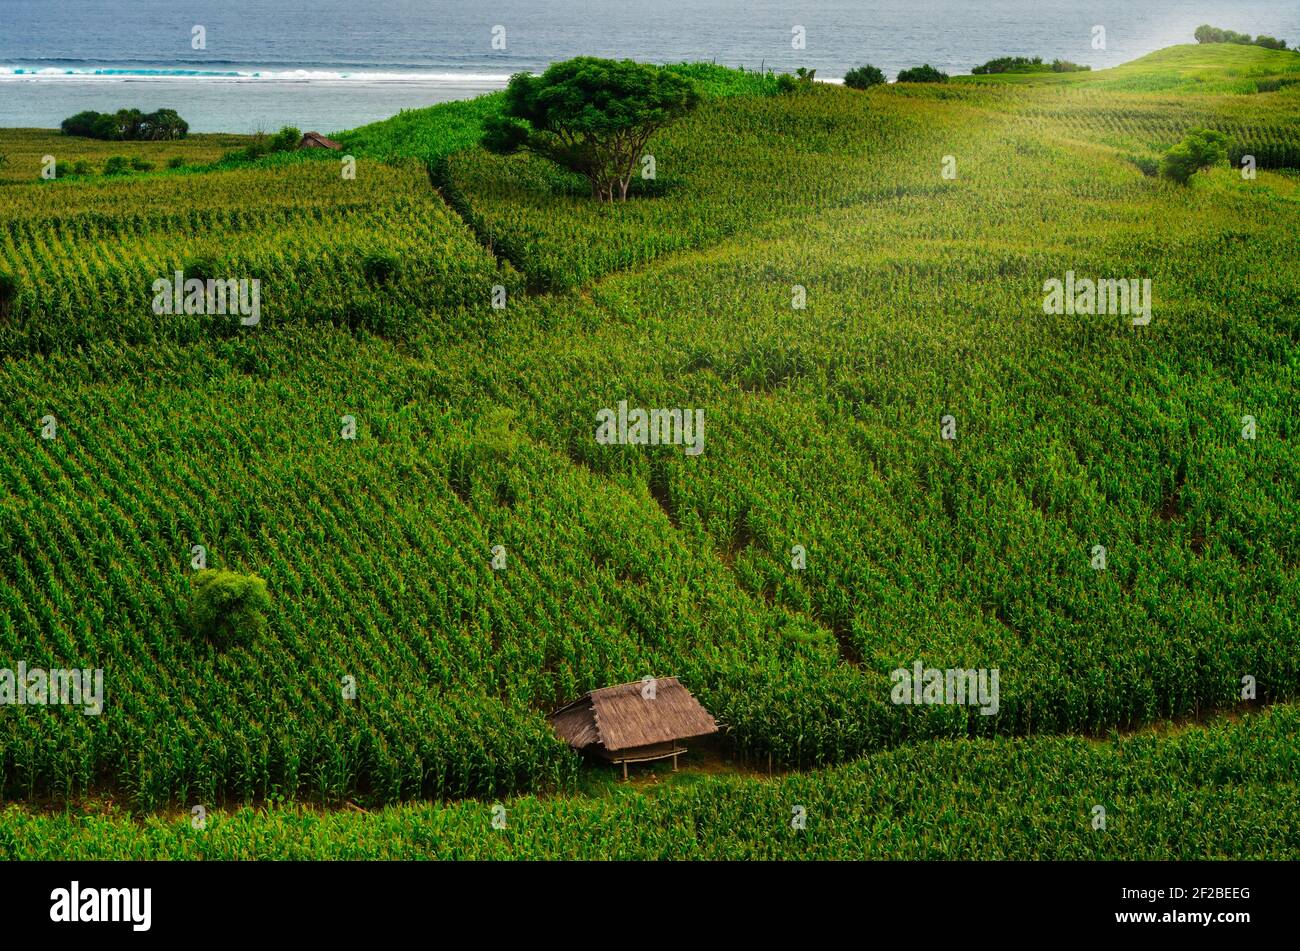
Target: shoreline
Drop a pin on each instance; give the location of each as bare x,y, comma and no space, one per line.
256,76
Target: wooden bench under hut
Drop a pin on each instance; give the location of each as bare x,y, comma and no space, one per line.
634,723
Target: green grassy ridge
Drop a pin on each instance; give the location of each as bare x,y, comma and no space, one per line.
1186,68
1223,791
435,132
800,152
833,147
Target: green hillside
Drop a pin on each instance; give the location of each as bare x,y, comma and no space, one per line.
475,428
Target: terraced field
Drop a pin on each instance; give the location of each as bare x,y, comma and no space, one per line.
474,428
86,255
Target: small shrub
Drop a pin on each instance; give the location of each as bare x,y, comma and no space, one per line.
176,162
379,266
1149,167
8,292
82,167
1065,66
802,78
864,77
117,165
228,608
201,268
922,74
286,140
1276,83
1201,149
140,164
260,146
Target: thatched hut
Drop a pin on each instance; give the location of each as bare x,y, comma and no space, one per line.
314,140
634,723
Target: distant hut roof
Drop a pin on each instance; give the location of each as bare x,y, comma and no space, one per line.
621,718
314,140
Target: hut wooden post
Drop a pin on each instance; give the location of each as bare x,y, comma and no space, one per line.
624,770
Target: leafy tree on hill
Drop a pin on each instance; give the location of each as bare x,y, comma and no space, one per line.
90,125
128,124
163,125
592,116
1203,148
801,79
922,74
864,77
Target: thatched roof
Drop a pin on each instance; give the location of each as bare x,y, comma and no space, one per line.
314,140
620,718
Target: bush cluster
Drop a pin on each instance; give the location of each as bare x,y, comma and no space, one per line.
922,74
1023,64
864,77
1212,34
286,140
127,125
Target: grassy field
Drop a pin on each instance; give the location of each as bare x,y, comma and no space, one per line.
924,299
26,151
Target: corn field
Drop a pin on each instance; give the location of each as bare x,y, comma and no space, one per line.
399,663
1209,793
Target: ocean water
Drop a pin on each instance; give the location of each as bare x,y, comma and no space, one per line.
334,64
